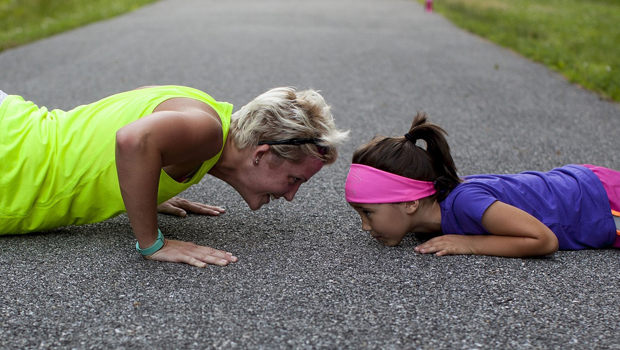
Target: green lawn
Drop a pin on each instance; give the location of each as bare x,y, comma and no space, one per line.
578,38
23,21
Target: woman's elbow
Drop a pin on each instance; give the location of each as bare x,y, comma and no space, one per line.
127,141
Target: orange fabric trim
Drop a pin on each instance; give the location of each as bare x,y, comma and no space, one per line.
616,213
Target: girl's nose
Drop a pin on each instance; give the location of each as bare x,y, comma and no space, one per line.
366,226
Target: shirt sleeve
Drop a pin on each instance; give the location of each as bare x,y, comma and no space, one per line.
468,207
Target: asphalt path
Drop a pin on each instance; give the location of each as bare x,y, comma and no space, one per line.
307,276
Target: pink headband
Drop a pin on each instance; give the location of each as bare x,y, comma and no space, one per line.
370,185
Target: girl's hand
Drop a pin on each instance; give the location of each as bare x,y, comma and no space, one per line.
446,245
191,254
179,207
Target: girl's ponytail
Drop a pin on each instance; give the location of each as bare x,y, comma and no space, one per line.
437,147
402,156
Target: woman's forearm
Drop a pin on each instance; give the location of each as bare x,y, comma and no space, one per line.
139,166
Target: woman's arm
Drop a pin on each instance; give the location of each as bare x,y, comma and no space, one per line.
143,148
514,233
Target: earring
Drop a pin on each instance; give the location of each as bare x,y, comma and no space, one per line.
256,161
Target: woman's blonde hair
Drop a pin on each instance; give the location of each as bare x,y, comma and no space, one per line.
283,114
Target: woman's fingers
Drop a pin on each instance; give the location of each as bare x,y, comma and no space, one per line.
192,254
180,207
200,208
167,208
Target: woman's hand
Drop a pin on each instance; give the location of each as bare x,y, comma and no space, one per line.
179,207
191,254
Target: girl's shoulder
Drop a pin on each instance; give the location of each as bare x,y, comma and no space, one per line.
471,197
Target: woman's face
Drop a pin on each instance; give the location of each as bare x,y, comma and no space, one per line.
277,179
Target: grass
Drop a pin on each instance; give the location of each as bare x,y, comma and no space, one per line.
23,21
578,38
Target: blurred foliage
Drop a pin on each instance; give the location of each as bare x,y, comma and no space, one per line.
22,21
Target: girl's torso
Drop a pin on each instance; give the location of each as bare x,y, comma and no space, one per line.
570,200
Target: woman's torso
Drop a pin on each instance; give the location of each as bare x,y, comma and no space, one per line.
58,168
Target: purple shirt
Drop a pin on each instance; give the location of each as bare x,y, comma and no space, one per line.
570,200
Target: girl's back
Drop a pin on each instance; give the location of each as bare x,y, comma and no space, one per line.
570,200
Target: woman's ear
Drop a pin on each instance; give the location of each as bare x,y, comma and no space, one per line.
412,206
259,152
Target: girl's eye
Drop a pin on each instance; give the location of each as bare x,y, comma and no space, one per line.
296,180
366,212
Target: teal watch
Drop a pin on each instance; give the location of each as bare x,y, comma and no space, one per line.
155,247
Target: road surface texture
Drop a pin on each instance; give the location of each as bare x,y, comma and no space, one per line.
307,276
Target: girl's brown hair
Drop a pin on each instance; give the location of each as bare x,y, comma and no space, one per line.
401,156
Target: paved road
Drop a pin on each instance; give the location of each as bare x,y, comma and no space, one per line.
308,278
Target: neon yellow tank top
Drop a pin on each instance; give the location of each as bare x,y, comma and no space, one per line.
57,168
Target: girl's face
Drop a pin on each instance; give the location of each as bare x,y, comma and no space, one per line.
388,223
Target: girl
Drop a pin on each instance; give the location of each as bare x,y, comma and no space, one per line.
398,187
134,151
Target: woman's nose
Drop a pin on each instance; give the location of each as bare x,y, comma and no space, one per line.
291,193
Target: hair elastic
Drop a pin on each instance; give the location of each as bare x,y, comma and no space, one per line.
411,138
366,184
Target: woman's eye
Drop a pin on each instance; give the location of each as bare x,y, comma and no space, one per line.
366,212
296,180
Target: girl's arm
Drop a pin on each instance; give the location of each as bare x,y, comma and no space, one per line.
514,233
145,146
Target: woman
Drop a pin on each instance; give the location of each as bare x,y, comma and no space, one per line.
134,151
